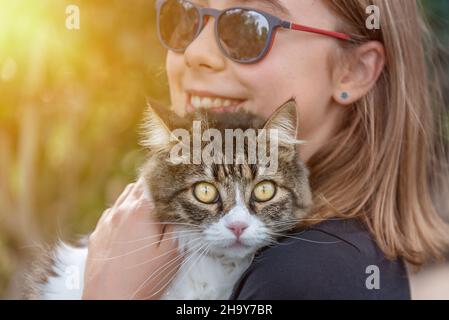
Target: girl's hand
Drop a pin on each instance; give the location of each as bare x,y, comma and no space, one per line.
131,256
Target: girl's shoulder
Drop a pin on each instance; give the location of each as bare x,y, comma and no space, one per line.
336,259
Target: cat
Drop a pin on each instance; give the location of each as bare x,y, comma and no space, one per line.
222,213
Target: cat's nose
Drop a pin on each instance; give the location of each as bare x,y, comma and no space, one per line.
237,228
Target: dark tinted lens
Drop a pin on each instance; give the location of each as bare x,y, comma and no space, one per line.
178,23
243,34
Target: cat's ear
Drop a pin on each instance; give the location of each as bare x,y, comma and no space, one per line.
286,122
156,132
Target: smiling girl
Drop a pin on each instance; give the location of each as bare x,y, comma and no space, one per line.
369,112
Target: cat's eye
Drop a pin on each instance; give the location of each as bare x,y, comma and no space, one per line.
264,191
205,192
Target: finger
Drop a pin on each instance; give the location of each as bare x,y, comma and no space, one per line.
139,188
145,196
150,218
138,199
167,231
104,215
124,194
144,205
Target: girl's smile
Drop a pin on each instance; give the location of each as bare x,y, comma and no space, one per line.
196,99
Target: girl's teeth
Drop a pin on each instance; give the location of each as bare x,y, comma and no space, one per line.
196,101
218,103
208,103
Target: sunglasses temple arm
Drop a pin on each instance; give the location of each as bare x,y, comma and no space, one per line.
332,34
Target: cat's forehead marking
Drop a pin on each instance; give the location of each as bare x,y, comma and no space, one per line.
225,172
208,170
238,196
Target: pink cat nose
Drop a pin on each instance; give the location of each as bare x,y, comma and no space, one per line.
237,228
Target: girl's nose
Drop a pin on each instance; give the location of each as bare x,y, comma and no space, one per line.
203,52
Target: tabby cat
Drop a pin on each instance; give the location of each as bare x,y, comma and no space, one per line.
223,213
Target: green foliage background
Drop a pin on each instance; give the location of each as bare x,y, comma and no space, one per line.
70,107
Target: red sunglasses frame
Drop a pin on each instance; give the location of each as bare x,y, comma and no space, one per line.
333,34
274,22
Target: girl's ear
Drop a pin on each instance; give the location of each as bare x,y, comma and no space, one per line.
359,72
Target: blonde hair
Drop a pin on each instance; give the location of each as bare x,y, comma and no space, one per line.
388,165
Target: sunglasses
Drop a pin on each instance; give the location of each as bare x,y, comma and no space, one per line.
244,35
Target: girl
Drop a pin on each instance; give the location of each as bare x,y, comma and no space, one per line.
370,114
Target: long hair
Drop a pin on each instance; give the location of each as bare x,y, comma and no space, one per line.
388,165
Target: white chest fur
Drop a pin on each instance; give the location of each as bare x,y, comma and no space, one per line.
200,277
205,277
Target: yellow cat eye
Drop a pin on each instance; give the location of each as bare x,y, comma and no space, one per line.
264,191
205,192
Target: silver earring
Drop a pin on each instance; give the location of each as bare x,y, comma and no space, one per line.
344,95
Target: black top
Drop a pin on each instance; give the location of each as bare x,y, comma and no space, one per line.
333,260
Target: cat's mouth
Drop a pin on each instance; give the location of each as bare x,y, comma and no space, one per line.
204,100
238,244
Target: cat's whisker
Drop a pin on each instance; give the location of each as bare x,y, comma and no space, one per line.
202,252
284,227
298,220
284,230
285,224
289,224
303,239
139,249
271,243
151,260
183,232
312,219
161,269
173,223
164,267
266,240
160,256
155,273
172,277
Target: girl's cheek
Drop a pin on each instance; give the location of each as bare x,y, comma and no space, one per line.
175,71
272,84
